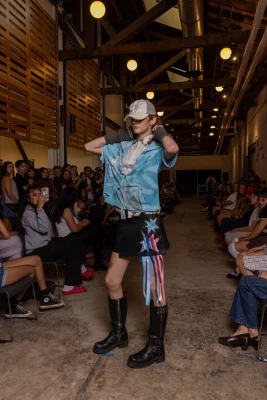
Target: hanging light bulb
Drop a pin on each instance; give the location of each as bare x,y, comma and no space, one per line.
150,95
211,134
131,65
97,9
219,88
216,109
225,53
160,113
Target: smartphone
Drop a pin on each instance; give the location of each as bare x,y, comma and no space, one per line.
45,191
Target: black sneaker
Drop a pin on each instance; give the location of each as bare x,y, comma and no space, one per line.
49,301
234,275
18,311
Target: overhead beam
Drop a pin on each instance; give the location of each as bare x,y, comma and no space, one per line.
160,69
205,83
247,6
68,31
160,46
203,107
89,27
140,23
188,121
170,114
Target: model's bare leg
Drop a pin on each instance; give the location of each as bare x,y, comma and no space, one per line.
118,337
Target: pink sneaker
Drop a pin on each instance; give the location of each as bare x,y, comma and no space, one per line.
75,290
88,274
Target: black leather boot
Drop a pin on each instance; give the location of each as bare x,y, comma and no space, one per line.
154,349
118,336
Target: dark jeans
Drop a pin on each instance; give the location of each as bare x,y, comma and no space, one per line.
91,234
71,252
228,224
244,307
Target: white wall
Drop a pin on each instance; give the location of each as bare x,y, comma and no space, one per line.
10,152
82,159
254,131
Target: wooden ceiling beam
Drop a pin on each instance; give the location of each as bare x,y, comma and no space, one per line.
160,46
160,69
89,27
170,114
203,107
140,23
246,6
188,121
155,87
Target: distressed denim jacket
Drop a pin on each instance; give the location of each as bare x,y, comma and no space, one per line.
137,191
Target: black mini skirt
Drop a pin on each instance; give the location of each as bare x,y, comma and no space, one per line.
140,236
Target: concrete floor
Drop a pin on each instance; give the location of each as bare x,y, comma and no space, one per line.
52,358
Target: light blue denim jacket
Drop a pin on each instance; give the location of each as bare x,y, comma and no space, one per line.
137,191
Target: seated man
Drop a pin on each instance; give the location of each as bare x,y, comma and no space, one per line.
253,220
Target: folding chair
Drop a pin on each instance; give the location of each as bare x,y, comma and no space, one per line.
12,290
263,306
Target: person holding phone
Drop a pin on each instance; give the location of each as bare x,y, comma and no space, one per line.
40,240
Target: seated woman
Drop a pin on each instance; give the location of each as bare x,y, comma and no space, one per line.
240,217
229,204
9,190
13,271
253,220
236,212
258,236
11,246
78,231
40,240
244,312
65,180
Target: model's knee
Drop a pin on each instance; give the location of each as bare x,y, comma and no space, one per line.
112,283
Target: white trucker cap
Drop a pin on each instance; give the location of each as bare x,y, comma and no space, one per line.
140,109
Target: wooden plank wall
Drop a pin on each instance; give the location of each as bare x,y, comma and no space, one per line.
29,98
83,101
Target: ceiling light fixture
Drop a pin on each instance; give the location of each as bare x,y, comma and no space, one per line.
214,116
131,65
97,9
160,113
150,95
224,96
215,109
219,88
212,127
225,53
211,134
234,58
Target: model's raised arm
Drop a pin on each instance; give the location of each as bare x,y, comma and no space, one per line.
95,146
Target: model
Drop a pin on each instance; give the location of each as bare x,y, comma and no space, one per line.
131,185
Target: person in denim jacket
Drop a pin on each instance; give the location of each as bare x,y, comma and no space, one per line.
133,159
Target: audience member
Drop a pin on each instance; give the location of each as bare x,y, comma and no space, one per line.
40,240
